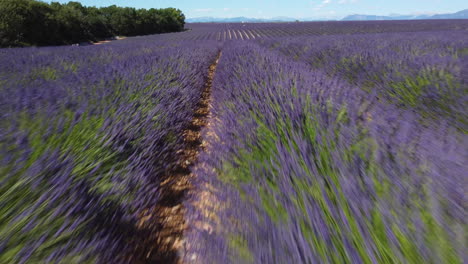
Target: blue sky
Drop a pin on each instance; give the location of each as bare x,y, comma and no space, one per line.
292,8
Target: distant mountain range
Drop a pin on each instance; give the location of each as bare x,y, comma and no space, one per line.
237,20
458,15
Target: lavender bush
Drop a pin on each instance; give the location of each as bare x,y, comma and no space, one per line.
86,134
311,169
424,71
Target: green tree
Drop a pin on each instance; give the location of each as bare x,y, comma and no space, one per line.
31,22
13,17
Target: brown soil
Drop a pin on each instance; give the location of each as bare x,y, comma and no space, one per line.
168,216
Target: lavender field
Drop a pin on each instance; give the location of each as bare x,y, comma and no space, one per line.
320,142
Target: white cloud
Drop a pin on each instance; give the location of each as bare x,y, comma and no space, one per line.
322,4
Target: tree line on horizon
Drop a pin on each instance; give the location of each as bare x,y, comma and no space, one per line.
36,23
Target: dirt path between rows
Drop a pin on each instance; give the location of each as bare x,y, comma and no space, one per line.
168,216
107,41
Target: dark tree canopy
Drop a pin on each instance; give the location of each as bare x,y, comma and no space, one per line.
32,22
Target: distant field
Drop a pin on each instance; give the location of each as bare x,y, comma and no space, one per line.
251,31
316,142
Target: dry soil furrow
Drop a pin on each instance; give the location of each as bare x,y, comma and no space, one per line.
168,216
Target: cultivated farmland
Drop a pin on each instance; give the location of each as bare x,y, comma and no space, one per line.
320,142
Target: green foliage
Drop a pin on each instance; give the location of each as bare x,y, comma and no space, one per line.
432,92
239,245
412,90
31,22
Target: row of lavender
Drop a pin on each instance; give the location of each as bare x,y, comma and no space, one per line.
251,31
85,135
306,167
423,71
